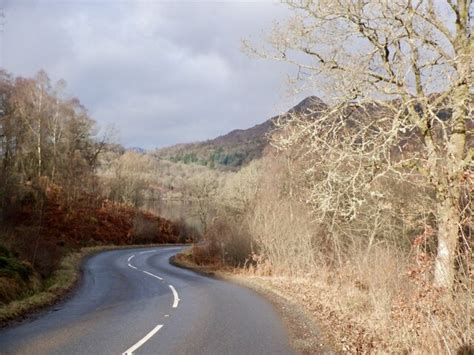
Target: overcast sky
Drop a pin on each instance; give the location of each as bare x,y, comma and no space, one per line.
160,72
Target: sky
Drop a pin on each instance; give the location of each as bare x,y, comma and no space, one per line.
159,72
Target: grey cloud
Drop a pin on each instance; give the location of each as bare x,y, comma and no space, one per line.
161,72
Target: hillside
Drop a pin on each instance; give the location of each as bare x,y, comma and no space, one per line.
234,149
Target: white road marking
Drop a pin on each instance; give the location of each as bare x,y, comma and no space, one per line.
143,341
130,258
146,272
152,275
175,296
147,251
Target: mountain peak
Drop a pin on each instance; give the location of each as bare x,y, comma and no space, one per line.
309,103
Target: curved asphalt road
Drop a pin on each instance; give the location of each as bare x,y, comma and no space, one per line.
134,301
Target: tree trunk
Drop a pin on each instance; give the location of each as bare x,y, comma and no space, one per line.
38,148
448,234
449,198
449,211
449,195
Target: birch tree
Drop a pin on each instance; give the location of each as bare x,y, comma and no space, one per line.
398,80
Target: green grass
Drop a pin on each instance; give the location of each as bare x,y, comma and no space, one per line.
11,267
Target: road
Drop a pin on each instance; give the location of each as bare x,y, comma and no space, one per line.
134,301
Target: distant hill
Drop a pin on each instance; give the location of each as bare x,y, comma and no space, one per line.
237,148
234,149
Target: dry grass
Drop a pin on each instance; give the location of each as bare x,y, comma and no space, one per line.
377,300
382,305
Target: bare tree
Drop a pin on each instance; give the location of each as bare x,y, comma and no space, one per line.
201,191
45,137
31,104
398,77
130,177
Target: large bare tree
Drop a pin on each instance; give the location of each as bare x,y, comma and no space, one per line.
398,79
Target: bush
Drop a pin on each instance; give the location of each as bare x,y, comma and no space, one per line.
186,232
11,267
143,231
14,276
230,241
4,251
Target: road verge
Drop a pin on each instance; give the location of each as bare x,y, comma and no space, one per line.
306,336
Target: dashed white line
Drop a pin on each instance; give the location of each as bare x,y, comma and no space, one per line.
143,341
175,296
133,267
152,275
129,259
175,293
147,251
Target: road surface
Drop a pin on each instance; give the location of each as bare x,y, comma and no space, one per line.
134,301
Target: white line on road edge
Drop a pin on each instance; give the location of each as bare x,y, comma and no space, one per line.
152,275
175,295
147,251
143,341
133,267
